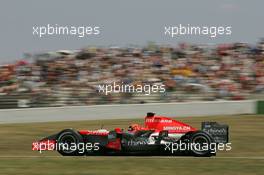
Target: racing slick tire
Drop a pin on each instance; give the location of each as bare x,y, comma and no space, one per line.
201,144
66,140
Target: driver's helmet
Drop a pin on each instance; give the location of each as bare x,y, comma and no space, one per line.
134,127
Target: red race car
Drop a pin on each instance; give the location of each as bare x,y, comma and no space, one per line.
160,136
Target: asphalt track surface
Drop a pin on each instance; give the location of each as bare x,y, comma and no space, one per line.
125,111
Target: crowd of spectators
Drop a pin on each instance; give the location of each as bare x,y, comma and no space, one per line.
226,71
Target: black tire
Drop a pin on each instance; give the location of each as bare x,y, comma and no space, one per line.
200,139
65,140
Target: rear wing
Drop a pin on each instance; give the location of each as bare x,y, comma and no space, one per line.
220,132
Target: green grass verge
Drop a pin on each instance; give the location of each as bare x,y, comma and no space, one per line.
246,156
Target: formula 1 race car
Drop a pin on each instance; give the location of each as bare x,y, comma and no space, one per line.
160,136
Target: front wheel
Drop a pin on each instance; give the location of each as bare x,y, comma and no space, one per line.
69,143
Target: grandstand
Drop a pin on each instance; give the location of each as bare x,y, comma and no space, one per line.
189,73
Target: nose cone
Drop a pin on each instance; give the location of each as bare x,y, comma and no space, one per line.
45,145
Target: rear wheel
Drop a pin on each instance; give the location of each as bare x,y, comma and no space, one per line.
201,144
70,143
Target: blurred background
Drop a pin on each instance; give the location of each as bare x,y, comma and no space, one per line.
190,72
66,70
